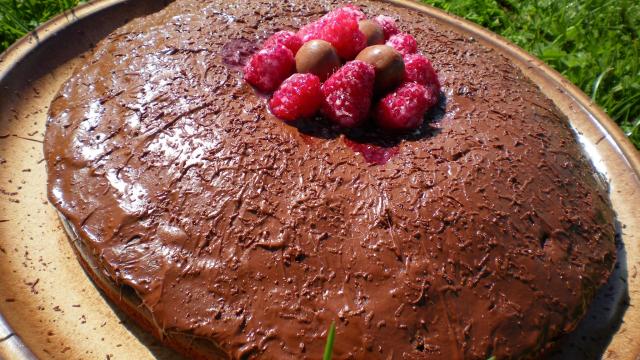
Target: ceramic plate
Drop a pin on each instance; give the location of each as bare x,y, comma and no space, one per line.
49,306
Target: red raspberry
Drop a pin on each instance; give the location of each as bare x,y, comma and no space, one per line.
340,28
432,96
311,31
404,108
286,38
348,92
298,97
417,68
355,11
269,67
404,43
388,25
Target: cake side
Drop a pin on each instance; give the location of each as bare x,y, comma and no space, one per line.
486,234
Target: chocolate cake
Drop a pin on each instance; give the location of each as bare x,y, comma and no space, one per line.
486,232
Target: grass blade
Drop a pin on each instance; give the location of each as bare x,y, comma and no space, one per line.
596,84
328,347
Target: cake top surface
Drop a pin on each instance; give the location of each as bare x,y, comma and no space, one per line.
486,231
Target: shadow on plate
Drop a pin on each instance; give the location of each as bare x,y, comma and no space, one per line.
590,339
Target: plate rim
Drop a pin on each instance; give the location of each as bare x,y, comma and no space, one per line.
10,341
23,47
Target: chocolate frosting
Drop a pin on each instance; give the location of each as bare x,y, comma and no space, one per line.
486,233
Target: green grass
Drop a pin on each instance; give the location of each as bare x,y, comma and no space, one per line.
594,43
18,17
328,346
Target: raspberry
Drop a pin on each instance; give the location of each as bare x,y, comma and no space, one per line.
311,31
431,95
348,92
404,43
286,38
355,11
269,67
298,97
404,108
340,28
417,68
388,25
